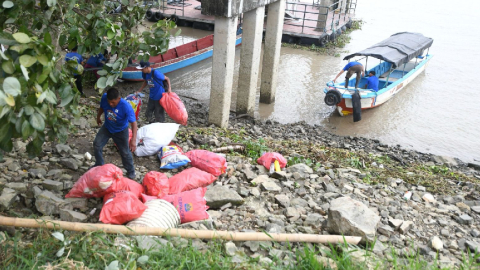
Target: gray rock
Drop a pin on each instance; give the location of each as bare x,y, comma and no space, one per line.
18,187
473,246
475,165
274,228
475,209
299,202
475,233
281,175
20,146
463,207
252,245
270,186
465,219
386,230
445,160
14,167
249,174
349,217
72,216
48,203
395,223
291,212
406,226
217,196
435,243
378,248
300,168
37,173
326,263
52,185
282,200
151,242
69,163
7,198
230,248
63,150
77,203
255,192
313,220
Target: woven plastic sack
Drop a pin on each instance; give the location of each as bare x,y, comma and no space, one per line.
120,207
151,138
189,179
174,107
172,157
191,205
136,102
207,161
130,185
156,184
269,157
96,182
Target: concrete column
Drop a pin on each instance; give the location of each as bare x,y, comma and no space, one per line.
250,60
222,70
322,15
271,53
343,4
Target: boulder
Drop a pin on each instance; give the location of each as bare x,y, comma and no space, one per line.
72,216
7,198
63,149
48,203
349,217
218,196
300,168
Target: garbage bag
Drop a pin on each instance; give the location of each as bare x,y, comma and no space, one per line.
172,157
191,205
156,184
151,138
130,185
269,157
174,107
121,207
136,102
189,179
96,182
207,161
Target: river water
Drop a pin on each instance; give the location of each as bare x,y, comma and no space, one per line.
436,113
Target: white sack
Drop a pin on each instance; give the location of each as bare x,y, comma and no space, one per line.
152,137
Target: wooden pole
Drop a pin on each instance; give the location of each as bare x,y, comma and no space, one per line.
184,233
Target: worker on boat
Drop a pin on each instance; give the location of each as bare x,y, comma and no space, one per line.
97,61
351,68
372,81
159,84
73,55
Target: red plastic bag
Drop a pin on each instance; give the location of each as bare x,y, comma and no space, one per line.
207,161
189,179
269,157
130,185
145,198
191,205
156,184
121,207
96,182
174,107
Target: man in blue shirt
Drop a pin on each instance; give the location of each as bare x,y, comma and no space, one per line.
97,61
155,80
372,81
118,113
351,68
73,55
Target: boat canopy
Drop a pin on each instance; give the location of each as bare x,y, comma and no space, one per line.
397,49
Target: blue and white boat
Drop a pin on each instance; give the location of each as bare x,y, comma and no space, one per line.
402,57
176,58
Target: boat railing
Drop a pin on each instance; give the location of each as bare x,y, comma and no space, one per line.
326,16
332,84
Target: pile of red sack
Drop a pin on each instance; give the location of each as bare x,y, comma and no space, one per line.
123,197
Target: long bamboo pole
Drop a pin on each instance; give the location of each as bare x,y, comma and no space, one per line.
184,233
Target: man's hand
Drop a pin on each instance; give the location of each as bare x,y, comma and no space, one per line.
99,121
334,80
133,145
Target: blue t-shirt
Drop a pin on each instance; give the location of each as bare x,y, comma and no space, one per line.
117,119
351,64
156,83
372,83
73,56
96,60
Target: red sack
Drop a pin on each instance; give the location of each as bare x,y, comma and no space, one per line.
268,158
96,182
191,205
207,161
145,198
156,184
121,207
174,107
189,179
130,185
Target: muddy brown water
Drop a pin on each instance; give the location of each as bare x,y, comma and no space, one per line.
437,113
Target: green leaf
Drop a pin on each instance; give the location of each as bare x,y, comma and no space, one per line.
47,38
25,72
51,97
59,236
21,37
90,16
3,55
7,39
11,86
29,110
66,100
8,67
10,21
41,97
42,59
110,80
102,83
37,122
142,259
102,72
178,32
110,34
7,4
112,266
27,60
125,2
10,100
27,129
5,110
51,3
62,40
62,250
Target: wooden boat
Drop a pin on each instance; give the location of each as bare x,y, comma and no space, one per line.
401,57
177,58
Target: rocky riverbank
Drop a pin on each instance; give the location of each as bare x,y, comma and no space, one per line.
332,185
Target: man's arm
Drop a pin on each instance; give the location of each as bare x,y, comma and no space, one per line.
141,88
338,75
99,113
169,84
133,141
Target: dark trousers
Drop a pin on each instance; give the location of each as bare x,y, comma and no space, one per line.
355,69
121,140
78,83
157,109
